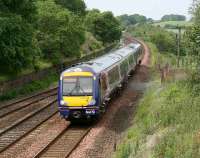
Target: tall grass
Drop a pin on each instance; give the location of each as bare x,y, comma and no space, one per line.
168,116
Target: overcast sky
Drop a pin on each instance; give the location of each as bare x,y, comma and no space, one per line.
151,8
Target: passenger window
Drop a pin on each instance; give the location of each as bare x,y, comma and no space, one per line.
113,75
131,60
124,67
104,85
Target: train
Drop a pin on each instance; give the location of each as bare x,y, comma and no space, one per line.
85,89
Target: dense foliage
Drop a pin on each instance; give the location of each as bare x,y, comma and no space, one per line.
173,17
59,31
127,20
164,40
50,30
104,26
18,45
76,6
195,11
192,35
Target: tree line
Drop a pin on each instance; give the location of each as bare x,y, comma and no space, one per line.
128,20
49,29
173,17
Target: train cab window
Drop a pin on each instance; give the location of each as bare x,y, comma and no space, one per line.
113,75
77,86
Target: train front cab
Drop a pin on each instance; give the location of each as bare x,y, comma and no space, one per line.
78,95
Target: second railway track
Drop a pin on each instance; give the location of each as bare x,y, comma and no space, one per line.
23,103
65,143
60,147
17,117
18,131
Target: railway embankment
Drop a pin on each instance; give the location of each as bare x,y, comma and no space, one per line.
166,122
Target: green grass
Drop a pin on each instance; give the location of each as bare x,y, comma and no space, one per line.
160,58
166,123
167,120
169,117
34,86
174,23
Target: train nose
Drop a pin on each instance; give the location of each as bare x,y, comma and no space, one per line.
77,114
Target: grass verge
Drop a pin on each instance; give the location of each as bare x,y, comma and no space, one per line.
167,121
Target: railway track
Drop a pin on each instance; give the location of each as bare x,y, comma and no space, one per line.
24,126
17,117
65,143
23,103
60,147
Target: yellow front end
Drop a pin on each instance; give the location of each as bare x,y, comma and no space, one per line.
77,101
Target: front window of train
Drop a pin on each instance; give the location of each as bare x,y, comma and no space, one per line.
77,86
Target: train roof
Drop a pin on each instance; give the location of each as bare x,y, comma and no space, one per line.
102,63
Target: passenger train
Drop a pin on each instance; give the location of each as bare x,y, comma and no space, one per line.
85,89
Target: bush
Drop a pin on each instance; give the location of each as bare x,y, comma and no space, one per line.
164,40
104,26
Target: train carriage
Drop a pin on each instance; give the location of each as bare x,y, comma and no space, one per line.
86,88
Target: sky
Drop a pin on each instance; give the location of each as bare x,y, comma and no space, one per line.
150,8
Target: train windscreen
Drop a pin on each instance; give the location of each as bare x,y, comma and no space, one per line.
77,86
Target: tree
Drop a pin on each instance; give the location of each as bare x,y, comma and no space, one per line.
107,28
90,18
76,6
127,20
25,8
60,32
18,45
195,11
18,48
192,34
173,17
150,20
139,18
164,41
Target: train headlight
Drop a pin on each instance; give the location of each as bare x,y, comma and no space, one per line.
62,102
92,102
